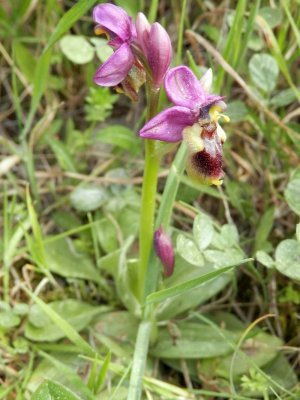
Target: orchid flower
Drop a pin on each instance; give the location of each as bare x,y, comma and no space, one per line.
194,119
118,26
136,50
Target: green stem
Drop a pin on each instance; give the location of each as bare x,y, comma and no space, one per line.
139,361
151,169
164,214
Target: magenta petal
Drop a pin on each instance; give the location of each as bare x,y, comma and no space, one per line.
168,125
183,88
143,30
116,68
159,53
115,20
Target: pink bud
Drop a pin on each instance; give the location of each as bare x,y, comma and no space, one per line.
164,250
156,45
159,53
143,30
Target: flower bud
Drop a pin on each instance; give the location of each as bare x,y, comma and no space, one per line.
164,250
156,45
143,28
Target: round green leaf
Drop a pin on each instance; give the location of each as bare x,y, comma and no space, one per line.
8,320
88,198
103,50
287,257
264,259
236,111
292,195
188,250
271,15
283,98
203,231
77,49
264,71
54,391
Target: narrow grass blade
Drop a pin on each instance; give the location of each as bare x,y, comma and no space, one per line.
233,43
70,374
70,17
43,64
191,284
294,26
249,28
68,330
180,33
139,361
39,85
37,232
103,372
275,50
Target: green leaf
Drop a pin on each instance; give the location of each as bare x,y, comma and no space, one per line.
298,232
119,136
25,60
119,325
107,235
287,257
191,284
264,228
271,15
203,231
283,98
188,250
260,349
103,50
77,49
236,111
88,197
265,259
62,153
281,371
227,256
42,67
61,323
190,340
40,81
69,18
49,390
78,314
8,320
188,300
255,43
227,237
292,195
63,259
62,367
264,72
